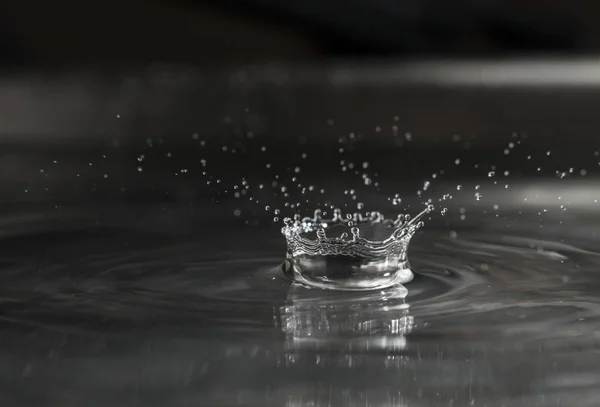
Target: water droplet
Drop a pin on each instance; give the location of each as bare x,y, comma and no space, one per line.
321,234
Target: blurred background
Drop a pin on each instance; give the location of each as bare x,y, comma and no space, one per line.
123,76
246,31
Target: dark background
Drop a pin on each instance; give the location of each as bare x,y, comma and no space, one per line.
89,84
69,32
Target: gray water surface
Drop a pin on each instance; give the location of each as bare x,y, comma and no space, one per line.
118,307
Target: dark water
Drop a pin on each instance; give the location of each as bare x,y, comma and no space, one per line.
172,306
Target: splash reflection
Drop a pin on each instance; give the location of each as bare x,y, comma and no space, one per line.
324,321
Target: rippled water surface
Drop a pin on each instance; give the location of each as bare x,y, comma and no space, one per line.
171,308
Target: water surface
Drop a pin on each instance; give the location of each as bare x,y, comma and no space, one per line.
170,306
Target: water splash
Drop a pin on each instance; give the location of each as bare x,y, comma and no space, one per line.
374,257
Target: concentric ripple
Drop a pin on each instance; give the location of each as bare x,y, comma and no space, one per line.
491,318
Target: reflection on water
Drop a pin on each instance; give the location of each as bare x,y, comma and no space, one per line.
339,332
322,321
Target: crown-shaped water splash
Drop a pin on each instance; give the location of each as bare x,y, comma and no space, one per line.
374,261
